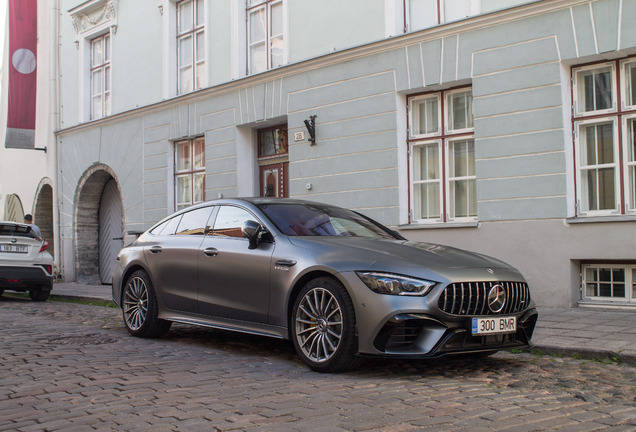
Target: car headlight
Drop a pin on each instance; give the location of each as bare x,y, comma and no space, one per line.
387,283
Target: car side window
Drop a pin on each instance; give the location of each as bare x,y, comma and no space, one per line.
195,222
168,227
230,220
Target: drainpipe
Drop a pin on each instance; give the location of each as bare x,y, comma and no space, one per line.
56,122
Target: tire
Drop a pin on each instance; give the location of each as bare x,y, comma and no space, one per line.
323,326
39,295
139,307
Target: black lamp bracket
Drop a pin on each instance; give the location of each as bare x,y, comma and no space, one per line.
311,128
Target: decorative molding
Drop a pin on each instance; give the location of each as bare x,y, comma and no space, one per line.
93,15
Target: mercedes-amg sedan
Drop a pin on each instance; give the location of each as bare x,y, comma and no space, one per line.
339,285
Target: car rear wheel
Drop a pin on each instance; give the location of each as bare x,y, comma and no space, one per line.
38,294
139,307
323,326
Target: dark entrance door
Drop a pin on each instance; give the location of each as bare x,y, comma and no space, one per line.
273,161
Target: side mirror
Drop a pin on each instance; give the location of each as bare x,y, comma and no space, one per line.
252,231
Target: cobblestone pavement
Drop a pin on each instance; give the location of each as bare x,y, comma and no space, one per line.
73,367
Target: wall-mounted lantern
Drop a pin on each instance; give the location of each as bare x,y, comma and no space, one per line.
311,128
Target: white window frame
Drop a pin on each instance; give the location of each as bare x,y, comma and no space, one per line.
455,179
441,14
630,182
447,113
581,169
630,282
411,113
414,148
190,172
626,84
104,69
621,113
576,82
443,138
266,6
198,77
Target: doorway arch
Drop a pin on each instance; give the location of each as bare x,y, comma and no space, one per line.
13,210
98,188
43,212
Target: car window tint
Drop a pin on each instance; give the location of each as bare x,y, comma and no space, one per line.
318,220
169,227
17,230
194,222
157,230
230,220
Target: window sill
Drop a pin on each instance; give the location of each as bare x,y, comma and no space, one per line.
601,219
440,225
603,304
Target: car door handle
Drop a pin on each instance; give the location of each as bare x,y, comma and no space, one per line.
285,263
155,249
211,251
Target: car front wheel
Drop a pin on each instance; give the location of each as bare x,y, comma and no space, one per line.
323,326
139,307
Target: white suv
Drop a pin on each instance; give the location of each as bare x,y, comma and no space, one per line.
25,264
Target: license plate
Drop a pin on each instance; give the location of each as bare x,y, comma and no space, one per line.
13,248
486,326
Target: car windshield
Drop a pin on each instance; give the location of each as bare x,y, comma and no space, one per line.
317,220
9,229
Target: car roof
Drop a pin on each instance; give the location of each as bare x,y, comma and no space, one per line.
263,200
12,223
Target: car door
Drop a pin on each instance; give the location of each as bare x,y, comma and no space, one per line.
172,259
234,281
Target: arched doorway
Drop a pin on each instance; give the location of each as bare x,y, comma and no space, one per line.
111,236
99,227
43,212
13,210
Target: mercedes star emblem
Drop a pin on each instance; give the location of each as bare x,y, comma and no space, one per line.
496,298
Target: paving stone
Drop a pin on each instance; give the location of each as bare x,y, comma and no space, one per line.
63,368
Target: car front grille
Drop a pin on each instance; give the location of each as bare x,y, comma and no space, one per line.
471,298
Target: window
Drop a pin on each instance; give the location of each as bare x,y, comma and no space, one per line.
421,14
609,282
442,157
190,45
604,123
195,222
167,227
265,35
100,77
229,222
189,176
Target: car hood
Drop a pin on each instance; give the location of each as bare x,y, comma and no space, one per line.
402,252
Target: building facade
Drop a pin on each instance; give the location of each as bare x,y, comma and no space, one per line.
501,127
28,176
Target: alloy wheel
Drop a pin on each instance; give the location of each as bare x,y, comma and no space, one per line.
135,303
319,327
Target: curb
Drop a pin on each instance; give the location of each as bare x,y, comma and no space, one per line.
586,354
81,298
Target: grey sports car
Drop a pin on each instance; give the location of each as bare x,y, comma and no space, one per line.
338,284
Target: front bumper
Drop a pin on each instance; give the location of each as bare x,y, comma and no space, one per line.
420,336
18,278
418,327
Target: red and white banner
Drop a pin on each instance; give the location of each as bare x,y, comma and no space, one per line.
23,39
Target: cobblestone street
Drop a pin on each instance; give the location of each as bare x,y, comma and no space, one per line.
74,367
